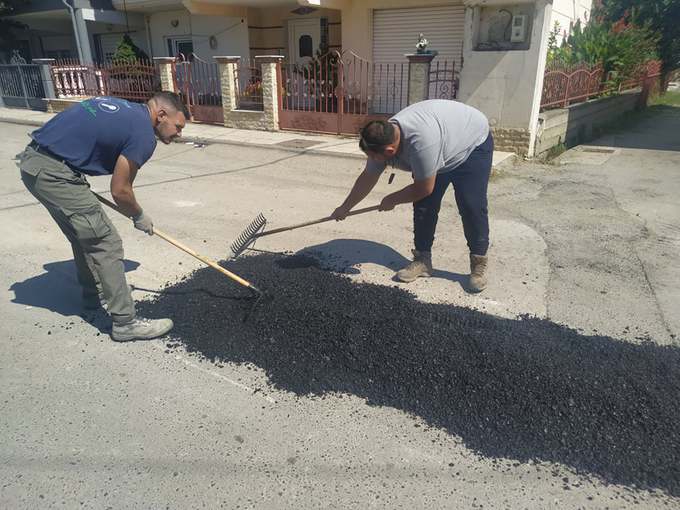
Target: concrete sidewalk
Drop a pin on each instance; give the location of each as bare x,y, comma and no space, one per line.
343,146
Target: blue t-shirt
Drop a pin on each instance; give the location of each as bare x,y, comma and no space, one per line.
91,135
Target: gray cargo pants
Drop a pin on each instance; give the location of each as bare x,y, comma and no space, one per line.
97,247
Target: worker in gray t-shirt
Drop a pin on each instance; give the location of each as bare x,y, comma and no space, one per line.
440,142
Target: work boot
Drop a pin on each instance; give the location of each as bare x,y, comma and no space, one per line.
421,266
141,329
477,272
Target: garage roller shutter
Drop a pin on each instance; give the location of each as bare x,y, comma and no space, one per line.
395,32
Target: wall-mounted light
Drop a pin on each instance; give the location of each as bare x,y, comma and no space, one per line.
174,23
212,40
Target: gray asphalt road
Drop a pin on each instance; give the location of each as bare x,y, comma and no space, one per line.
592,243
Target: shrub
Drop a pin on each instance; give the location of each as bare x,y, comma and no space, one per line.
128,52
620,47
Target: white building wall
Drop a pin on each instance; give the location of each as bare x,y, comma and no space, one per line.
566,12
506,85
230,33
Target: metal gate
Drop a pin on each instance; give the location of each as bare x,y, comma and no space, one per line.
339,92
198,82
21,86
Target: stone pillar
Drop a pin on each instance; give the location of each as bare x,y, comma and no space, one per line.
166,71
227,73
419,76
46,76
270,89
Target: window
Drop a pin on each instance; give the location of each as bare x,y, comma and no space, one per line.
323,45
306,46
177,47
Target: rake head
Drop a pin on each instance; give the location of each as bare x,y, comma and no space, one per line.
260,298
248,236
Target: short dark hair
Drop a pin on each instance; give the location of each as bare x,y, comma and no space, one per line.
376,135
173,101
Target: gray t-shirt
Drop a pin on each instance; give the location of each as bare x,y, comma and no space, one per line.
437,136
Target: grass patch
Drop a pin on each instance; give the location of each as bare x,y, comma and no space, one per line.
671,98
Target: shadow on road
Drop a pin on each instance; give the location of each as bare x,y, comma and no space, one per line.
347,255
57,289
525,389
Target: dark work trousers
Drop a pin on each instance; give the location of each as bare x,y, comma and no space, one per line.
470,181
97,247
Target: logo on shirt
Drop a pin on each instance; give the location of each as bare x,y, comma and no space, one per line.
108,107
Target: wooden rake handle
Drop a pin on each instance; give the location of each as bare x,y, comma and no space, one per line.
316,222
185,248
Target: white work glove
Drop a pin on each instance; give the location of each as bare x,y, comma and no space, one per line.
144,223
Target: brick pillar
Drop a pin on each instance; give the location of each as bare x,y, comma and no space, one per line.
419,76
227,73
270,89
46,76
165,69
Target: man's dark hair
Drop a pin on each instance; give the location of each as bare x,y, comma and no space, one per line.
173,101
376,135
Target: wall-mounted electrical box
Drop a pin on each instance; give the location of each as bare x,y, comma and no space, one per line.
504,27
518,31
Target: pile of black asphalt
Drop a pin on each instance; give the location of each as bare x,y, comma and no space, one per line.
525,389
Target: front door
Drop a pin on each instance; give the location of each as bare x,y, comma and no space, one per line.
304,37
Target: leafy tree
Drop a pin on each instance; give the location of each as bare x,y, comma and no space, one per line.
128,52
662,16
553,47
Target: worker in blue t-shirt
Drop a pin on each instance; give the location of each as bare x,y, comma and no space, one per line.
101,136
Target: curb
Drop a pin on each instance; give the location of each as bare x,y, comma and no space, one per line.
507,163
23,122
312,151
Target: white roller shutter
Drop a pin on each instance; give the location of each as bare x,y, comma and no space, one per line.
395,32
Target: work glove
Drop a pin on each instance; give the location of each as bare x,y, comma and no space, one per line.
144,223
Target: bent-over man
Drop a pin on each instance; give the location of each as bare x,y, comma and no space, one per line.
101,136
441,143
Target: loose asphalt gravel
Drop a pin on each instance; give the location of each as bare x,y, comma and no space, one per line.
525,389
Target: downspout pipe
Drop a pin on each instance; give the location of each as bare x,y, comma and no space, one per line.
75,30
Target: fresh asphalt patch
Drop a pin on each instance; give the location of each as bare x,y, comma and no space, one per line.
525,389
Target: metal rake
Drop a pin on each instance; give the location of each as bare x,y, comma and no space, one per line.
256,229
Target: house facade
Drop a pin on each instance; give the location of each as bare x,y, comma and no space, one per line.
498,47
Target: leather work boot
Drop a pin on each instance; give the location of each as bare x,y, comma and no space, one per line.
477,272
421,266
141,329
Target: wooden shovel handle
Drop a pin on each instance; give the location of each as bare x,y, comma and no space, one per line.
316,222
185,248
